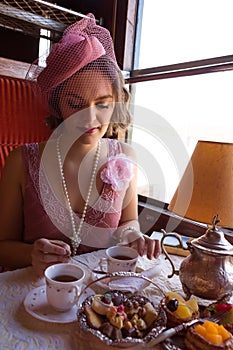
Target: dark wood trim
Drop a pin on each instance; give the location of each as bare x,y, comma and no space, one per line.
211,65
154,216
130,35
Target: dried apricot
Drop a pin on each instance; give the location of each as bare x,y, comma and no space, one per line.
223,332
214,338
211,327
213,332
200,330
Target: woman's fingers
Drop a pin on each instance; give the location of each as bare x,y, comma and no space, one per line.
157,248
148,246
47,252
52,247
53,258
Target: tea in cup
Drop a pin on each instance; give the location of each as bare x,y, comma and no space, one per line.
63,285
121,259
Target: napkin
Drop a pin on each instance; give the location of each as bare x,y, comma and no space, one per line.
135,284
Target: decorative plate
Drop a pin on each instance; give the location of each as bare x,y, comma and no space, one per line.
156,328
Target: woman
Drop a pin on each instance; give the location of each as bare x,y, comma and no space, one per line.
77,192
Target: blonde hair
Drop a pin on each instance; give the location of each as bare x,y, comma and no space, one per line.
121,117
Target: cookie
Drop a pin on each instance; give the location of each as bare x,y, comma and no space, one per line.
93,319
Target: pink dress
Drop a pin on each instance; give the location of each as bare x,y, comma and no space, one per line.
46,217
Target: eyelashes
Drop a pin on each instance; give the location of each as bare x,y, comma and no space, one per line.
80,105
104,105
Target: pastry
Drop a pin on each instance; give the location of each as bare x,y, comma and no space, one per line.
111,331
178,310
128,330
150,314
227,319
93,319
120,309
208,336
102,303
116,321
131,307
138,322
133,316
116,316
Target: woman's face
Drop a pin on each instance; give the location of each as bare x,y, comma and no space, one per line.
86,105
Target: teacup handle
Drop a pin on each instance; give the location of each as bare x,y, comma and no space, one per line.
103,264
77,290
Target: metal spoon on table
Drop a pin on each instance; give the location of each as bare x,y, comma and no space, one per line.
101,272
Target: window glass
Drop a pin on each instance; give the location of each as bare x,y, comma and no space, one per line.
170,116
181,30
44,46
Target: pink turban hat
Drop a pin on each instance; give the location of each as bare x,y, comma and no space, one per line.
82,43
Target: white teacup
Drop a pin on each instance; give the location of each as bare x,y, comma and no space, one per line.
63,285
121,259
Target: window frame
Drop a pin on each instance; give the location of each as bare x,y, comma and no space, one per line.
205,66
148,208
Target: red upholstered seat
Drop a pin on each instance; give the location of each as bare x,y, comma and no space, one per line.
22,119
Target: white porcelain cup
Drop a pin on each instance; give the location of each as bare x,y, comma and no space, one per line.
121,259
63,285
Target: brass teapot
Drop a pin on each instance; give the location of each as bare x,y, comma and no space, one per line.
208,271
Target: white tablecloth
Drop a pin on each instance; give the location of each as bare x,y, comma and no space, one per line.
20,330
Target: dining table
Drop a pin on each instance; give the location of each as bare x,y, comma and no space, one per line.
22,328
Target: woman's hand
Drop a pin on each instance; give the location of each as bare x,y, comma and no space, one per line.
133,237
148,246
47,252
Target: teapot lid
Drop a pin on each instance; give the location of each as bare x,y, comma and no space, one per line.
214,241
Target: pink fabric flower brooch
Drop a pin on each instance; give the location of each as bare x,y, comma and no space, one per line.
118,172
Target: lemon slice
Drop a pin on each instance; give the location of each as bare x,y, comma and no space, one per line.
173,295
192,303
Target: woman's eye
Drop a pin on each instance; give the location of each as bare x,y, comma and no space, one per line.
103,105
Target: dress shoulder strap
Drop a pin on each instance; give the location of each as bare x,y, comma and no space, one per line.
114,147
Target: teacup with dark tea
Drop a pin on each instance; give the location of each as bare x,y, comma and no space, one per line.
63,285
121,259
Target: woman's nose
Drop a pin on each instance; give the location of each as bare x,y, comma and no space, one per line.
88,115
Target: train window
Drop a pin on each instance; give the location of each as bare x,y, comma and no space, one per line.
181,31
186,96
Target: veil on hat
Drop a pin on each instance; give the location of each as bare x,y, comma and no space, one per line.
82,43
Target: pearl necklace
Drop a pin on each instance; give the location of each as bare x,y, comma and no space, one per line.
75,239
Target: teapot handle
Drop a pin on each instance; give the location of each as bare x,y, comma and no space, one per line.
181,245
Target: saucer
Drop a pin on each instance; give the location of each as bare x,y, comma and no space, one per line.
36,305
